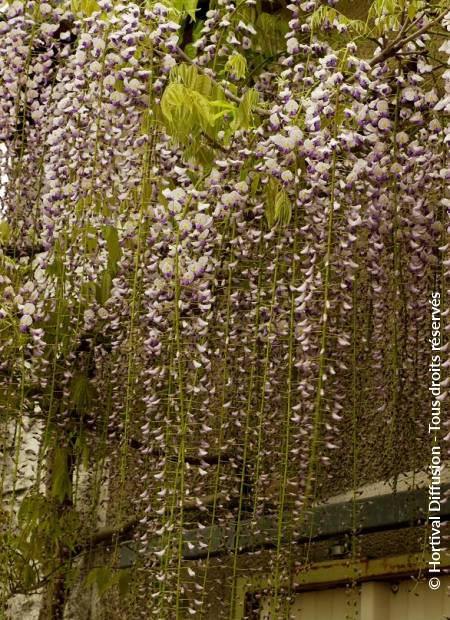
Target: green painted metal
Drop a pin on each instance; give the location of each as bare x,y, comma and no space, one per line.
326,521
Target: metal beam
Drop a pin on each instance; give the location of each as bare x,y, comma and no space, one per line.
326,521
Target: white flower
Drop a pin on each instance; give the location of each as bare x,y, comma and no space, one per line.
202,220
295,134
274,120
287,176
231,198
241,187
185,226
168,62
134,84
280,141
96,67
382,106
29,308
89,315
26,320
202,263
409,94
292,46
432,97
161,553
49,28
98,43
166,266
177,194
402,137
384,124
291,107
445,47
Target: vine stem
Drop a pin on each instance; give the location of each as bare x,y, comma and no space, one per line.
264,377
222,414
285,460
246,434
182,413
323,345
397,277
400,42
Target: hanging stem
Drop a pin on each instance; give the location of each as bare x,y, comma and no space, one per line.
287,420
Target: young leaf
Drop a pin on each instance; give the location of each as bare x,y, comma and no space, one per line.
283,210
80,392
173,101
271,30
184,73
328,14
271,196
61,483
236,65
190,6
28,576
124,580
112,243
86,7
103,577
244,116
4,231
103,287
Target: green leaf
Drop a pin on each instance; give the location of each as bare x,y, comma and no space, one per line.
186,110
61,483
103,577
271,195
56,268
81,392
86,7
184,73
173,100
112,243
103,287
278,206
197,30
328,14
248,103
32,508
386,15
28,576
414,7
190,6
124,581
190,50
283,210
183,6
204,86
255,184
271,30
236,65
4,231
201,109
195,109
